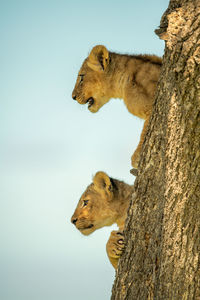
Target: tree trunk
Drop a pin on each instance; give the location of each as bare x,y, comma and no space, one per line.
162,234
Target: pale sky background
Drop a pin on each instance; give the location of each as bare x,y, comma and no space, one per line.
50,146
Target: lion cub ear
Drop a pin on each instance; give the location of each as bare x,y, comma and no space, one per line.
98,58
102,183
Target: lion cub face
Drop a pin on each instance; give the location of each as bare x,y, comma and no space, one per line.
94,207
91,85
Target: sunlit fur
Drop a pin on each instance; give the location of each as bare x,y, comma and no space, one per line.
107,203
133,78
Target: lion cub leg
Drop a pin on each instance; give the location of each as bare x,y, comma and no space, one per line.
114,247
136,155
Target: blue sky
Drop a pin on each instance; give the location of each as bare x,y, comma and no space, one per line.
50,146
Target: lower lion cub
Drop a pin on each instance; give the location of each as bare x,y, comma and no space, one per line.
104,203
133,78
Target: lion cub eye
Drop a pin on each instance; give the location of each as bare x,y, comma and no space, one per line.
81,78
85,202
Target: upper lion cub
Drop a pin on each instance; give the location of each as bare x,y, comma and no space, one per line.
104,203
133,78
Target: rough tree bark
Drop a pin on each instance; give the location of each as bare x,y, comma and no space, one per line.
162,235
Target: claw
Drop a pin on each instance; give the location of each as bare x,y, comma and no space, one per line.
121,242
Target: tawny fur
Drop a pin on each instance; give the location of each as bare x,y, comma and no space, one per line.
104,203
133,78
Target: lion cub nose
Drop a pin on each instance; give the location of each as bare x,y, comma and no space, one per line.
73,220
74,97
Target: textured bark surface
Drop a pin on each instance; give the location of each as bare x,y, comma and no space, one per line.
162,234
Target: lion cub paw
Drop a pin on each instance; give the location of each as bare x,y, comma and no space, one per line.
115,247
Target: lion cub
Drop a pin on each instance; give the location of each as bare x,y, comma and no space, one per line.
133,78
104,203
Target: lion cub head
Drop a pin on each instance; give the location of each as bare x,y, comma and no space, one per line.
92,83
94,209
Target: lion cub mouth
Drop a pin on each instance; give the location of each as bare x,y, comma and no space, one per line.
88,227
90,102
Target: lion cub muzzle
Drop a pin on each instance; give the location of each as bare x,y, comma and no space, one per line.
82,225
90,101
74,220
